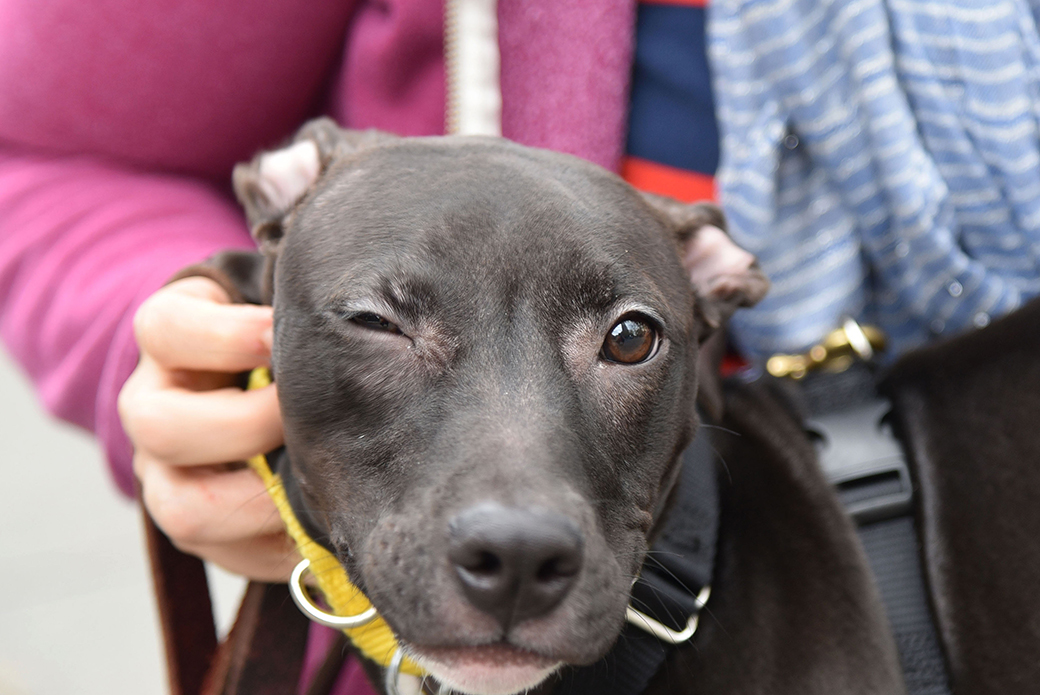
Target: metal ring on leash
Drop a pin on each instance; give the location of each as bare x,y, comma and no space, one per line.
393,672
664,633
306,604
413,685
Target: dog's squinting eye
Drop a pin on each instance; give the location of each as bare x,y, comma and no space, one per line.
633,339
375,322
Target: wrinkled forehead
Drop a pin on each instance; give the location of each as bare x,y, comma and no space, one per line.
486,218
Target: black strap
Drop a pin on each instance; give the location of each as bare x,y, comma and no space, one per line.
886,529
891,547
678,566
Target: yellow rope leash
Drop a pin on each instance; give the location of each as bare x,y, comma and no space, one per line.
375,640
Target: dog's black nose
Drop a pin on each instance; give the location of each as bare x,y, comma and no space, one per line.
514,564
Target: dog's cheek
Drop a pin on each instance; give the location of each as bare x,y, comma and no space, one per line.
351,428
396,568
348,477
644,415
339,502
409,580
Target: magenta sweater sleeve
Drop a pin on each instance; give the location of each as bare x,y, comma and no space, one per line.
83,244
180,86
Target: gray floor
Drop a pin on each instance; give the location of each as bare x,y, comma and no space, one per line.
76,611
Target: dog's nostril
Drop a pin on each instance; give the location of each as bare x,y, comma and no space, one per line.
548,571
486,564
557,568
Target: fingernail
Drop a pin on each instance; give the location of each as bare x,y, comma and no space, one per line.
267,338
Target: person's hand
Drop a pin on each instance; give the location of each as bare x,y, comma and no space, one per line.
192,428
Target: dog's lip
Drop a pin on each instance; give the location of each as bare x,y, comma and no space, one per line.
499,653
488,669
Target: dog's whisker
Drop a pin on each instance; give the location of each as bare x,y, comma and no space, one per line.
655,551
671,574
637,604
715,619
710,426
667,609
725,466
244,504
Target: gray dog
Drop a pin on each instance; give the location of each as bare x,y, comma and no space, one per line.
487,365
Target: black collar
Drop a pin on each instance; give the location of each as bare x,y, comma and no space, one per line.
671,586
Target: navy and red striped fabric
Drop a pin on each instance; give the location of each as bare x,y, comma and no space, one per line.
673,142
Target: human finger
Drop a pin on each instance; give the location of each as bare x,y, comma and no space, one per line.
206,506
268,558
223,516
186,428
189,324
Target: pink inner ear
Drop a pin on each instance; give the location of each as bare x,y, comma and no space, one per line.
717,267
286,175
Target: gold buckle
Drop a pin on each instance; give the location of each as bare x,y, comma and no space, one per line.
835,353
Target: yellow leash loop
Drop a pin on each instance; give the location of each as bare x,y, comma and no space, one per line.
375,639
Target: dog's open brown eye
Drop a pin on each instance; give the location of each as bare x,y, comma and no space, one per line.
375,322
632,339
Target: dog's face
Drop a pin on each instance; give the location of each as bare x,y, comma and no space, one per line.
486,359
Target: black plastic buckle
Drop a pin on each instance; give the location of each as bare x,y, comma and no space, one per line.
865,462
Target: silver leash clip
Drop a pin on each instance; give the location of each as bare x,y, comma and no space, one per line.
664,633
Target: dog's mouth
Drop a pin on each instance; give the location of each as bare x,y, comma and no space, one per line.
491,669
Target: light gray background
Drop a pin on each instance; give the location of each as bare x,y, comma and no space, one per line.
76,610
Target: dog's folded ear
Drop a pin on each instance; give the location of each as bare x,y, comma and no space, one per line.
724,276
271,185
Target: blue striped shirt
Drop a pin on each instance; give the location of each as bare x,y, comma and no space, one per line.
882,159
